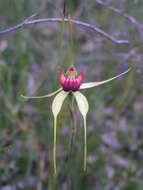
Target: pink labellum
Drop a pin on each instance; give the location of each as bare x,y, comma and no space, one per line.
72,82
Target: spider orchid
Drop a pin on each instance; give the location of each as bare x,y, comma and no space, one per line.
71,83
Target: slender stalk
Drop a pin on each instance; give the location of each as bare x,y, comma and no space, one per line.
73,134
71,46
54,146
74,125
85,144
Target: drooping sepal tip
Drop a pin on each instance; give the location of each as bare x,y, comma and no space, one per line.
83,108
44,96
94,84
56,108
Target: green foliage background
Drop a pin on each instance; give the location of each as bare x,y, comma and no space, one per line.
29,63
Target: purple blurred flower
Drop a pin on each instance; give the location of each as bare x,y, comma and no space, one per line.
64,131
124,65
110,110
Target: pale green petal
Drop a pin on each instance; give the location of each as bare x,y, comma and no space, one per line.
94,84
83,107
81,102
45,96
58,102
56,108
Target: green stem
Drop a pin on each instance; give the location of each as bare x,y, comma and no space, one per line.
71,47
85,144
73,133
54,146
73,125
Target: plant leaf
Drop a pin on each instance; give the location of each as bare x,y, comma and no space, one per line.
83,107
45,96
56,108
94,84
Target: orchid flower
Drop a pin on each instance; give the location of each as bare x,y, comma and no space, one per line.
71,83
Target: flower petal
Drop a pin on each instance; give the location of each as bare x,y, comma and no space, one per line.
56,108
58,102
45,96
83,107
94,84
81,102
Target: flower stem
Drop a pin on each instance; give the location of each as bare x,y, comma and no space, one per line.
85,144
74,124
71,46
54,146
73,134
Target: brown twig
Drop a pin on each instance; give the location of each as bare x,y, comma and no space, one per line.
28,21
13,28
122,13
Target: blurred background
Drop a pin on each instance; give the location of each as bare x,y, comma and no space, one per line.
29,61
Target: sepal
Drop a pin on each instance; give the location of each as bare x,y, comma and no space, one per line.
83,107
56,108
94,84
44,96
